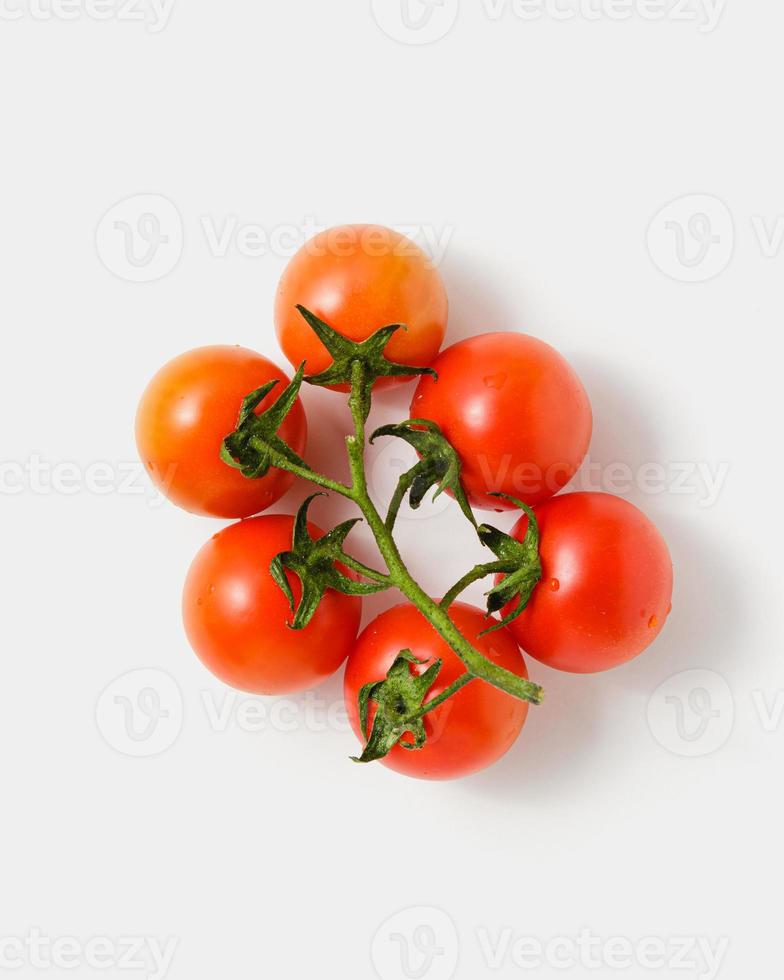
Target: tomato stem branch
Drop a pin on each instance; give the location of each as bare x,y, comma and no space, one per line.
477,664
447,693
256,445
402,488
266,449
480,572
362,569
307,474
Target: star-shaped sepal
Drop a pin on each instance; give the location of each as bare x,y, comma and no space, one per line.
314,562
439,465
254,445
518,560
352,359
399,700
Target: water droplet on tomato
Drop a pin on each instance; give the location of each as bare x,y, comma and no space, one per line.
555,585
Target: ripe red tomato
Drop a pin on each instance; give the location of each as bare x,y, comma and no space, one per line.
359,278
514,410
606,585
235,614
187,410
471,730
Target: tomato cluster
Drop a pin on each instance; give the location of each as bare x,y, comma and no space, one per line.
519,421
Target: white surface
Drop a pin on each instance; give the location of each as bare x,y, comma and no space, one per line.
542,150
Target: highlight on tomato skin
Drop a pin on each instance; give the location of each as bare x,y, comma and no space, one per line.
470,731
236,616
359,278
187,410
515,411
606,587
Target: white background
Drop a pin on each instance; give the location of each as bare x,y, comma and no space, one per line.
540,150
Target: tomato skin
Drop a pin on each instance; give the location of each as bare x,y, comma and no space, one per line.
606,587
514,410
359,278
471,730
235,615
187,410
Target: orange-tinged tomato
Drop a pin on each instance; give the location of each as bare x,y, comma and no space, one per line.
514,410
469,731
187,410
606,587
235,614
359,278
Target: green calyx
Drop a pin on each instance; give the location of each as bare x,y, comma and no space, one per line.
438,467
518,560
314,562
255,445
399,700
368,353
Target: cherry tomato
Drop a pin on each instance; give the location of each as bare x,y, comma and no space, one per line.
472,729
235,614
606,587
359,278
514,410
187,410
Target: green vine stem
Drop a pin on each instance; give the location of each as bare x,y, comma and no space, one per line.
404,485
475,575
280,461
399,576
372,574
445,695
255,446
